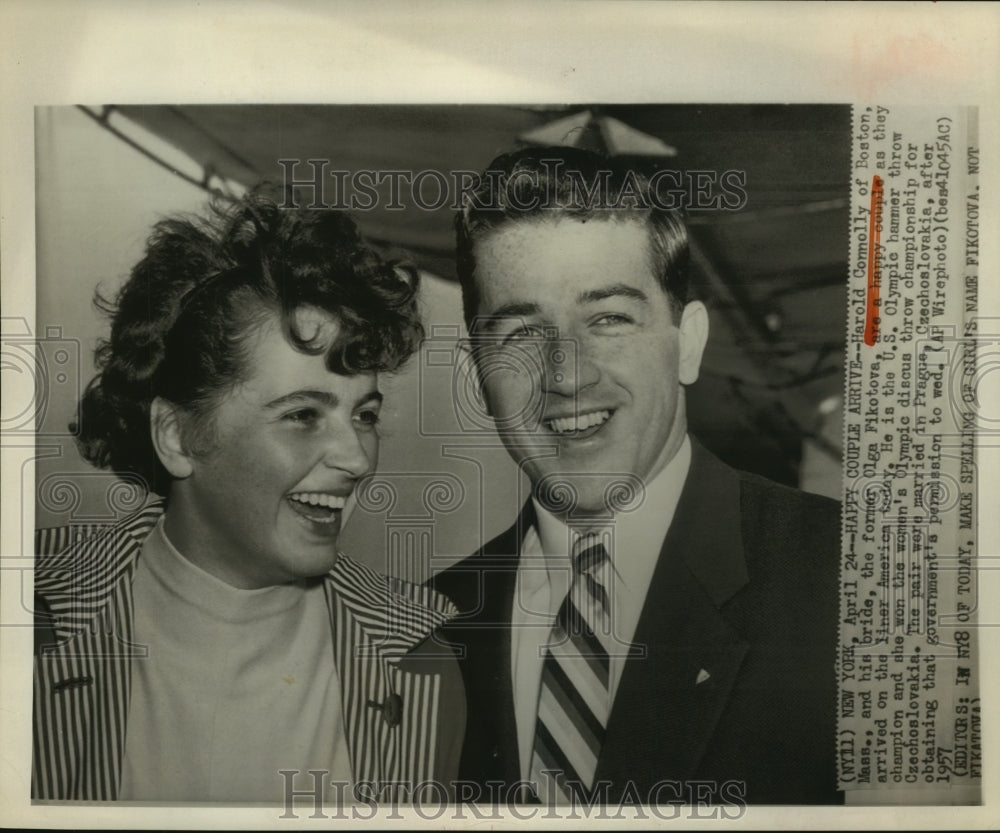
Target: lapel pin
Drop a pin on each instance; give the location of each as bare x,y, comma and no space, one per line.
392,709
702,676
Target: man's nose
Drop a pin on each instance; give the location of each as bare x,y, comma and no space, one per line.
567,366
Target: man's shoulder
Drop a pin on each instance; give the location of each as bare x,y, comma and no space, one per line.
467,581
759,491
787,513
754,489
791,550
770,516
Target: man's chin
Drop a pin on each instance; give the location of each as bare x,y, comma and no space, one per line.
583,495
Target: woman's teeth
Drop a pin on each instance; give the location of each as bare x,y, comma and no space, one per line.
319,499
318,507
580,422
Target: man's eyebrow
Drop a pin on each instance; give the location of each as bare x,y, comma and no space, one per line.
516,309
321,397
618,290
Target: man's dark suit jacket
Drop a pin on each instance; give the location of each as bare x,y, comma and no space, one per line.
745,589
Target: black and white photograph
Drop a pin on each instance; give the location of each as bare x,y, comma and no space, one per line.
499,458
249,341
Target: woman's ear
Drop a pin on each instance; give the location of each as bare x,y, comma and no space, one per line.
165,425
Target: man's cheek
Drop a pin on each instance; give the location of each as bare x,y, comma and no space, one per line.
515,401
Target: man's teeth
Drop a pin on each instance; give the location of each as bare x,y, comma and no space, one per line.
319,499
580,422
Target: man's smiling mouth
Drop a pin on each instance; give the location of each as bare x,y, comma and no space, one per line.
321,507
577,424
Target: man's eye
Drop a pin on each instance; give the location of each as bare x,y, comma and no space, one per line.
613,319
522,334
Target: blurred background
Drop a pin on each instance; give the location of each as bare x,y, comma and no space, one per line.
773,275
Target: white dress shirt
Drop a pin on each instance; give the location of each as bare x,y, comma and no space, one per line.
545,573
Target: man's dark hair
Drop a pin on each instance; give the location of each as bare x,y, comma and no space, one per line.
552,182
182,323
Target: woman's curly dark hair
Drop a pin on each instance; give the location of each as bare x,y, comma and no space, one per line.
181,323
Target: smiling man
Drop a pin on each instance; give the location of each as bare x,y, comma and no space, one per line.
655,627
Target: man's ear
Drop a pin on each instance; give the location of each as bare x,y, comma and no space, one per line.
692,341
471,379
165,421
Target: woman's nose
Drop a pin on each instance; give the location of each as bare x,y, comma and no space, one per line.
351,452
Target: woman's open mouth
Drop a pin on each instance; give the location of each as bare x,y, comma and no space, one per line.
319,507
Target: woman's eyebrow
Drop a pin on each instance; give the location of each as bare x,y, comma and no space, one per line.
322,397
374,397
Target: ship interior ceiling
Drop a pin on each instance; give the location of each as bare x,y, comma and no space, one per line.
773,274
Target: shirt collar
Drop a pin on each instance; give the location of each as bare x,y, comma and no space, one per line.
639,532
183,581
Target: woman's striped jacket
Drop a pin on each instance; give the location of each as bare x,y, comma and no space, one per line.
404,709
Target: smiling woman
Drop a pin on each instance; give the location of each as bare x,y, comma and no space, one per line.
207,647
263,504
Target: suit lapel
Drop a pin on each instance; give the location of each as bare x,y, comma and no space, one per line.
389,710
669,702
83,683
482,635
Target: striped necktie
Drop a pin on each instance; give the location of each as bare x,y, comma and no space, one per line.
574,702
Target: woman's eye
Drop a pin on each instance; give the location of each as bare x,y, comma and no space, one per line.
368,418
302,416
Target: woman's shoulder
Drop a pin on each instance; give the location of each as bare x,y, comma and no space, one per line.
389,602
78,566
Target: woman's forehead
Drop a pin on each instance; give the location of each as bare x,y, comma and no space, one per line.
268,336
276,367
315,326
306,326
